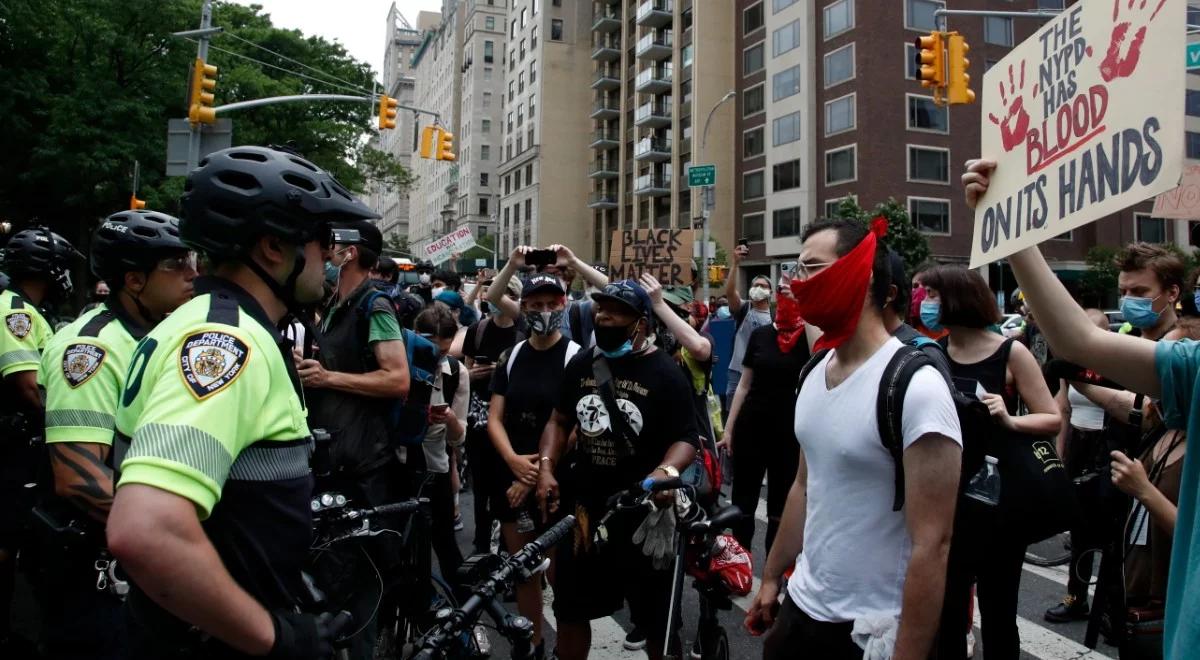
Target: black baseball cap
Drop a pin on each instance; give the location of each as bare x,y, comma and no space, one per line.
369,235
541,283
629,293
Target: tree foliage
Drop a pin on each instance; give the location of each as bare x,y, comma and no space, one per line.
1098,284
90,84
902,235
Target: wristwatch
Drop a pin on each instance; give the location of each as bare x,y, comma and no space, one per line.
545,459
670,470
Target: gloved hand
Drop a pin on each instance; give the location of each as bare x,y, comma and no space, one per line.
302,636
656,534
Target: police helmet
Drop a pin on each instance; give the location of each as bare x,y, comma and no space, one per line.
133,241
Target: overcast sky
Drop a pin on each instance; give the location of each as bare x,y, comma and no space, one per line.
359,25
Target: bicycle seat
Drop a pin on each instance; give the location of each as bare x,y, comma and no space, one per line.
719,521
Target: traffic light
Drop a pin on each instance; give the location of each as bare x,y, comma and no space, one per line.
200,101
135,203
931,63
428,134
959,84
387,112
445,146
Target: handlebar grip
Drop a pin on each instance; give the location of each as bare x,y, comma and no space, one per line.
340,624
396,508
552,536
657,485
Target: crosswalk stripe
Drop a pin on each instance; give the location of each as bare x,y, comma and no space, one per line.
1046,644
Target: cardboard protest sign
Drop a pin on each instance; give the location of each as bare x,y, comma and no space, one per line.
1085,118
1182,203
458,241
664,253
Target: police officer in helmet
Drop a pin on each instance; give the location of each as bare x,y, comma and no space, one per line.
211,516
83,372
38,263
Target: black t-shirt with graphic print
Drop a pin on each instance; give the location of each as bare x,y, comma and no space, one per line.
654,397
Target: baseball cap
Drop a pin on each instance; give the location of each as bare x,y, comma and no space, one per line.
540,283
678,295
628,293
369,235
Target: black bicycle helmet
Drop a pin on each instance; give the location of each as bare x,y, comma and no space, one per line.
239,194
39,252
133,241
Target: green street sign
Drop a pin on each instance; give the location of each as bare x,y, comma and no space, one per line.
702,175
1193,56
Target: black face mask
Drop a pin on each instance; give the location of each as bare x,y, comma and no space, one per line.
667,342
485,307
616,340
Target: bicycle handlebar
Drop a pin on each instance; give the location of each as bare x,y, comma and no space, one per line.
397,508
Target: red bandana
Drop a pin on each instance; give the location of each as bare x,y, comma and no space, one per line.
833,298
789,325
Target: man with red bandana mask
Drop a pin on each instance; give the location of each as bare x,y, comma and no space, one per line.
842,496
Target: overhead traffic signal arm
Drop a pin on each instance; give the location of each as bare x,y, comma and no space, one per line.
959,83
931,64
200,98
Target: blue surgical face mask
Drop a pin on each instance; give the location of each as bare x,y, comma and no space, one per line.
331,273
723,312
931,314
1139,312
1196,297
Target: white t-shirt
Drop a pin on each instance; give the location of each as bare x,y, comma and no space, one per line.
1085,415
856,549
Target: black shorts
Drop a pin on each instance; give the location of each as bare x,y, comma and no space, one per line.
498,505
594,583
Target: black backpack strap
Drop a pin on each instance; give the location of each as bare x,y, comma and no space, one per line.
808,367
575,320
450,381
889,409
604,385
479,329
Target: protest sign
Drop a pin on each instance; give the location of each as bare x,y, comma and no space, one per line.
458,241
664,253
1182,203
1084,118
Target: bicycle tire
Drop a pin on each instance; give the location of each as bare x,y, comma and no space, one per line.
718,646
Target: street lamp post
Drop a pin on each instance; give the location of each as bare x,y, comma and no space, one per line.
708,198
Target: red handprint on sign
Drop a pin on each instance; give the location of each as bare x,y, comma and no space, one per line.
1114,65
1015,124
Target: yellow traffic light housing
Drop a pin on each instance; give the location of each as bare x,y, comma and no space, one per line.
201,99
428,135
931,64
445,148
959,83
387,112
136,204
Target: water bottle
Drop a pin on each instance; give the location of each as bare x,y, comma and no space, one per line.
985,485
524,522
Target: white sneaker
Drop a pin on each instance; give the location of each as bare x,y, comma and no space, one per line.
971,644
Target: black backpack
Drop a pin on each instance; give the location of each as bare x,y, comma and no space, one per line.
973,416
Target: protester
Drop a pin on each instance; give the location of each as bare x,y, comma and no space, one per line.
898,305
748,317
999,372
1169,370
917,304
855,555
580,318
761,415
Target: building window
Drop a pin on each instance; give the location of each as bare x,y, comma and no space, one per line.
1149,230
785,129
522,50
1058,4
839,65
507,190
516,180
487,73
752,59
521,82
528,213
841,165
1193,144
931,216
556,26
488,55
928,165
785,222
532,108
998,30
489,23
919,14
752,227
925,115
686,55
532,72
839,17
529,174
1193,103
533,37
485,153
510,90
486,127
483,203
779,5
785,176
833,206
910,61
752,185
487,103
753,99
785,83
752,143
785,38
524,16
841,114
512,29
752,19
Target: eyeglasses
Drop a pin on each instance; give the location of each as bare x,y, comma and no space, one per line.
806,271
174,264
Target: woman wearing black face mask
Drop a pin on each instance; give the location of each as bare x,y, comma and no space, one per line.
525,388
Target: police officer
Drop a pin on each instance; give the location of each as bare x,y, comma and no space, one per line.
211,517
38,261
83,372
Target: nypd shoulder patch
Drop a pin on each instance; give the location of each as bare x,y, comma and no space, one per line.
19,324
80,362
210,361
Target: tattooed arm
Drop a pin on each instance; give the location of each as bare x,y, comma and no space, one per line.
81,476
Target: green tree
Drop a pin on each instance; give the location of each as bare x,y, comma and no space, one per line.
1098,284
397,245
902,235
384,170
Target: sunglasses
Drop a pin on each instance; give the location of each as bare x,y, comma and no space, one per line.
175,264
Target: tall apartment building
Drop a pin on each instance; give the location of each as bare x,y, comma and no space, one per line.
398,82
478,134
437,68
545,102
829,107
661,67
